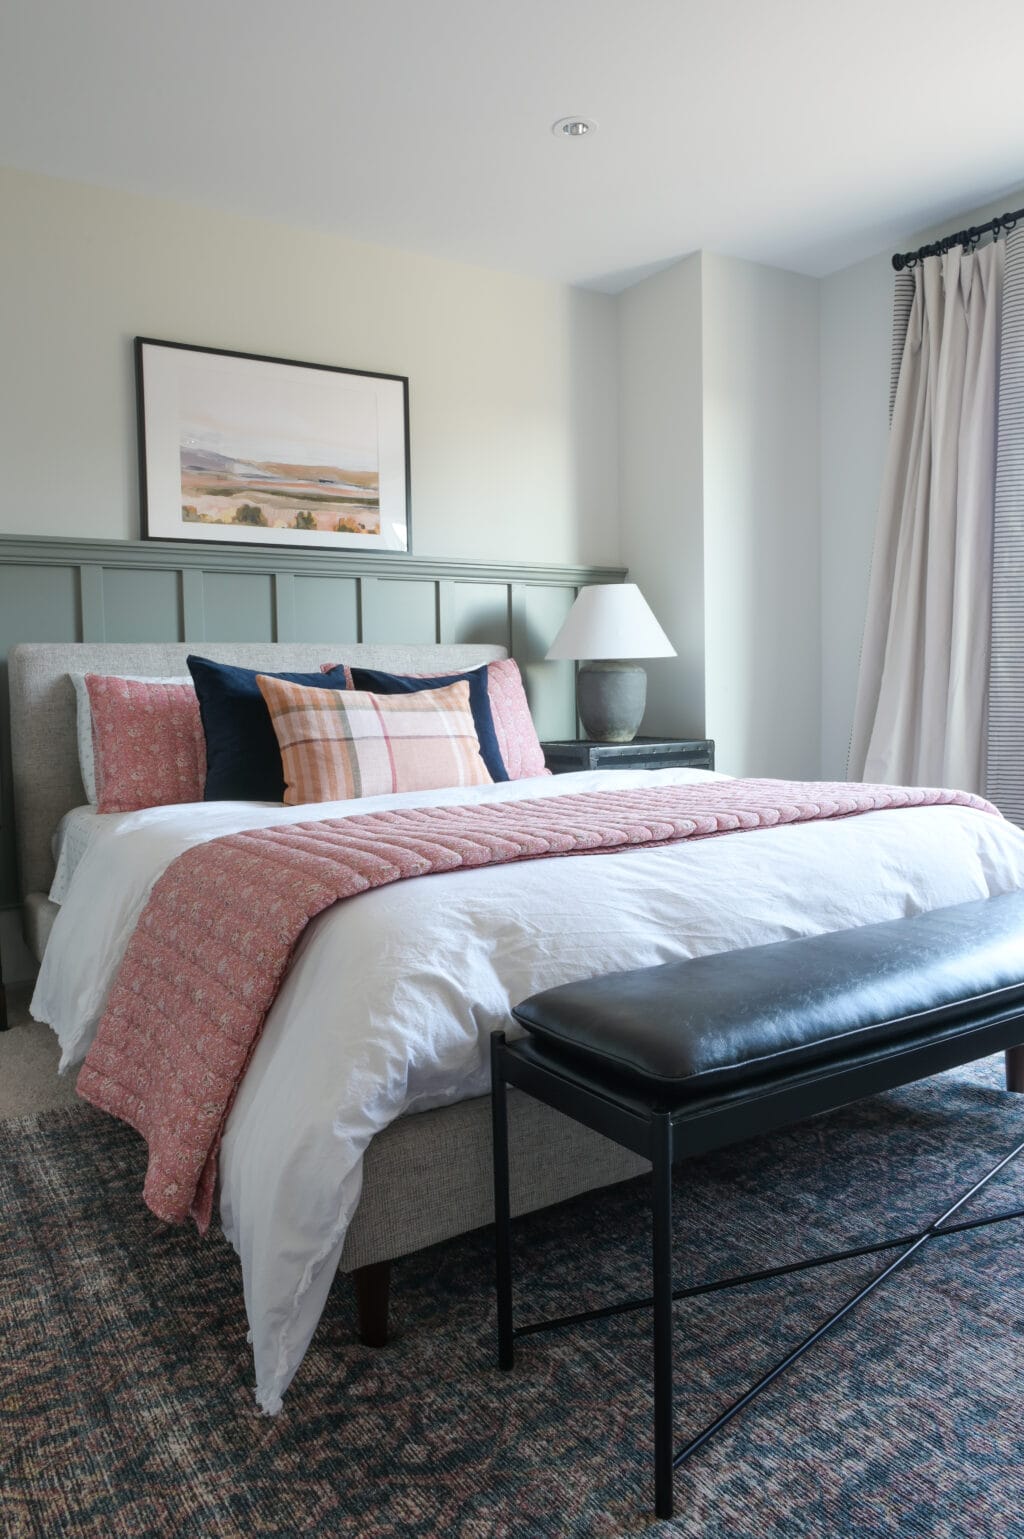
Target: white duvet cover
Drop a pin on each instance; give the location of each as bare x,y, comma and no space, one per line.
392,995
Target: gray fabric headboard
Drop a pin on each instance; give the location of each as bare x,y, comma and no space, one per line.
44,751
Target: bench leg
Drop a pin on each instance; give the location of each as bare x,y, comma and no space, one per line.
1015,1068
373,1291
502,1205
662,1290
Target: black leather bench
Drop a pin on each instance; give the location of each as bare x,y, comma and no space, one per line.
687,1057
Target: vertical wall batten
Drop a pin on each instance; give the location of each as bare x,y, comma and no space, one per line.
516,618
367,601
193,606
445,612
90,588
284,607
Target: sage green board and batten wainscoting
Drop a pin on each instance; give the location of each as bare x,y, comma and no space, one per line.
98,590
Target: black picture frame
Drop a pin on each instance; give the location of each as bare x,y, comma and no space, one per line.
202,414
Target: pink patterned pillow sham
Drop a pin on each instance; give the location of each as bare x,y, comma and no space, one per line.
518,742
148,743
513,725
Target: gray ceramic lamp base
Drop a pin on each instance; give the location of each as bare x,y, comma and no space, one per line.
610,698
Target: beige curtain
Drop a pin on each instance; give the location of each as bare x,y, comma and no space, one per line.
923,688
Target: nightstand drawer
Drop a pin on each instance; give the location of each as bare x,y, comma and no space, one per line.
641,753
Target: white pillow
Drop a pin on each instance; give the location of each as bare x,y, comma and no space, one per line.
86,758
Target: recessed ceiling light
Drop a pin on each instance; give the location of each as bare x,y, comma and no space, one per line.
573,128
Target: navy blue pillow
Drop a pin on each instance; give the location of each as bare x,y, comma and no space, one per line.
243,760
479,703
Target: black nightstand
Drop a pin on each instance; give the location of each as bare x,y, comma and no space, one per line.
641,753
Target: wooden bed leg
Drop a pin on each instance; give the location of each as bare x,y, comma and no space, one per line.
373,1286
1015,1069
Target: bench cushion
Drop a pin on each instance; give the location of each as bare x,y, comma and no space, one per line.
701,1026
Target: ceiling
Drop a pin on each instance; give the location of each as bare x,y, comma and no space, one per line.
802,133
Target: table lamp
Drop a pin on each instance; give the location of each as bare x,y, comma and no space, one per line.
607,624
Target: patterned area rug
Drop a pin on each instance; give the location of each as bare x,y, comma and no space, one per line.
126,1402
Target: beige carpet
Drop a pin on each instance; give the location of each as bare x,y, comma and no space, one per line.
29,1081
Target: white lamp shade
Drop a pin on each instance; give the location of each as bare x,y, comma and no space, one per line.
611,620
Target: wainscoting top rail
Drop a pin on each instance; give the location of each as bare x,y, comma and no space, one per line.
155,555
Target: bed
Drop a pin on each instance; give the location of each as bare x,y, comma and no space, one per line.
449,954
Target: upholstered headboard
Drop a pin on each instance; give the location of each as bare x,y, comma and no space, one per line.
44,751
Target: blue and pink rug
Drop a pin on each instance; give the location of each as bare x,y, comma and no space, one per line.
126,1404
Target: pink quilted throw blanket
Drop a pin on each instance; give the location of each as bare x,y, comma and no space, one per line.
217,934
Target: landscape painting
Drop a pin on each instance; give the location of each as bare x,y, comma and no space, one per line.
249,449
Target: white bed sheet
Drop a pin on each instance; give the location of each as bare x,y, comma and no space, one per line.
392,995
75,832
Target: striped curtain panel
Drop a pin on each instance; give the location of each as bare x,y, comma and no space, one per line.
902,303
1005,775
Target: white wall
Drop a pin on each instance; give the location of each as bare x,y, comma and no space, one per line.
718,370
513,398
856,336
660,488
761,519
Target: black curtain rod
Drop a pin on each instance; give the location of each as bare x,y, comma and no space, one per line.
967,238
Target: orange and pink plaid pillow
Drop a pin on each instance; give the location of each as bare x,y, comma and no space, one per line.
518,743
337,744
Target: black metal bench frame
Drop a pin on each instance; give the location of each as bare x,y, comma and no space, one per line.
577,1086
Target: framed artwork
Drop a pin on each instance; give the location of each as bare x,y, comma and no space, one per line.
248,450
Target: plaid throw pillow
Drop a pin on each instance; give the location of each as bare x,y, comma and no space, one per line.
337,744
518,744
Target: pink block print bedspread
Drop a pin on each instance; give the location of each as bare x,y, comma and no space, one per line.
215,939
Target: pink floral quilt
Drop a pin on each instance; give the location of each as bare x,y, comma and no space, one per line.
215,939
